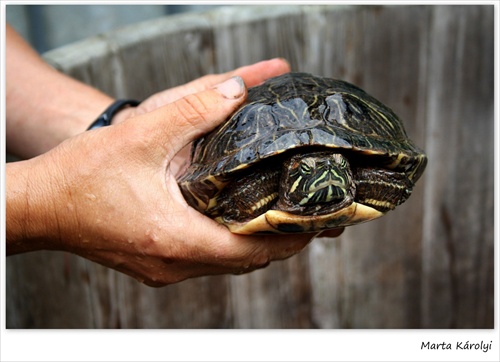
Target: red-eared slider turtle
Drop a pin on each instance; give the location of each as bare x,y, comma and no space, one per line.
303,154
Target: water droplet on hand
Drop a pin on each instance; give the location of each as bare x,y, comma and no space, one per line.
91,197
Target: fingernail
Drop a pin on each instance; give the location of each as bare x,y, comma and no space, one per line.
232,88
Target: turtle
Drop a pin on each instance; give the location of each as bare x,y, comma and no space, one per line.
303,154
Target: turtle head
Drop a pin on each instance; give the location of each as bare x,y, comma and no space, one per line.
311,182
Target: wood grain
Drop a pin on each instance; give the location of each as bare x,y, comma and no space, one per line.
429,264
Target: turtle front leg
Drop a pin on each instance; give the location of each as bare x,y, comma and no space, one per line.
248,197
381,189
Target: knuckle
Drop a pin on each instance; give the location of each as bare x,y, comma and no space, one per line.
236,256
256,260
261,259
192,109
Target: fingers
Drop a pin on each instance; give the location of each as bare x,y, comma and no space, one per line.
252,75
235,255
257,73
280,247
175,125
201,112
333,233
216,246
241,253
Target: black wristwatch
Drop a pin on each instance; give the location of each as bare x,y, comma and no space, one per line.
106,117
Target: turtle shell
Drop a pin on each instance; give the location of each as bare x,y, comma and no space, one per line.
298,111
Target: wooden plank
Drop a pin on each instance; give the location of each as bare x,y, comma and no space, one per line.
457,247
286,302
429,264
47,290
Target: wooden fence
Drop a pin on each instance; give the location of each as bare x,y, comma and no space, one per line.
429,264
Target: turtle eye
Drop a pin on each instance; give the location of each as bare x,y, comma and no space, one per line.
306,168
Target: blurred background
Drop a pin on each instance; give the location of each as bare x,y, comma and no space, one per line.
428,264
47,27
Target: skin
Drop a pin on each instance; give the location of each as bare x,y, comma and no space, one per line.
110,195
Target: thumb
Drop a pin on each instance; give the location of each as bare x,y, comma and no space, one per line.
186,119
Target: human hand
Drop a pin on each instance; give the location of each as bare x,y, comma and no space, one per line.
252,75
110,195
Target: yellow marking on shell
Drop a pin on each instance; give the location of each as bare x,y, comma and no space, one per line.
396,162
353,214
341,119
264,201
313,103
380,114
421,159
304,113
370,105
291,110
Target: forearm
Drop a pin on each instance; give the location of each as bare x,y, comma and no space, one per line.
43,106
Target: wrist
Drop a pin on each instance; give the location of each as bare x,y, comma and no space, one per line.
32,222
112,111
27,219
124,114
